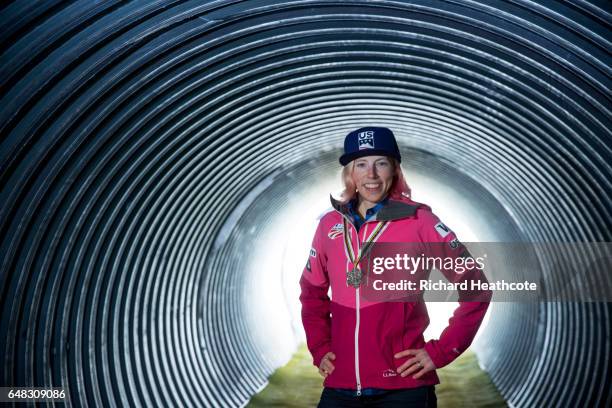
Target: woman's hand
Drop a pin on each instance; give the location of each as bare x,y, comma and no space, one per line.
326,367
421,363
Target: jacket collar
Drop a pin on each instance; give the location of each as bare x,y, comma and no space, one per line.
393,210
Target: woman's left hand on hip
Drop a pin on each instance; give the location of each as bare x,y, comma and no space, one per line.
420,364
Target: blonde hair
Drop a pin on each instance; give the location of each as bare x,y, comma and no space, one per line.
399,187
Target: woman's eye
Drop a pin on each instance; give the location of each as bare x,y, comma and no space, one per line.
383,164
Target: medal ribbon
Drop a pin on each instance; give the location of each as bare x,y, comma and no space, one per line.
366,247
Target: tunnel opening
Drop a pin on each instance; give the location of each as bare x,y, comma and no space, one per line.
273,232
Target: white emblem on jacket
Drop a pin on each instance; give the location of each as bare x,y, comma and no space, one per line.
442,229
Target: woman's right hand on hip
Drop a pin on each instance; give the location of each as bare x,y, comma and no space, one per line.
326,367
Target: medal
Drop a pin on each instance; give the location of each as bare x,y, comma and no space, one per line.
353,277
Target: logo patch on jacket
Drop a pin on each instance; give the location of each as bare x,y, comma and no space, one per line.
313,252
442,229
454,243
389,373
335,231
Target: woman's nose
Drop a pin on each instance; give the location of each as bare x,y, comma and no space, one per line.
372,171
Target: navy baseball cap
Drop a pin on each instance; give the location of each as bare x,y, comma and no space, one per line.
369,141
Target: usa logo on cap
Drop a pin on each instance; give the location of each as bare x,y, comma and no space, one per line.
365,140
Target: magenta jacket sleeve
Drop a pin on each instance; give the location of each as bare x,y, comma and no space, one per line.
466,319
314,285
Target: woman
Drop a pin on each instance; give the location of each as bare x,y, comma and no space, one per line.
373,352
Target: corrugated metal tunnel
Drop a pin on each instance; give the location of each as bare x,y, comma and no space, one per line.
149,147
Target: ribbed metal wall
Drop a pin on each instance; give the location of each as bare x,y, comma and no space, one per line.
131,131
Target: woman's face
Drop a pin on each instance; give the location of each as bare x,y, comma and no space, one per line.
373,176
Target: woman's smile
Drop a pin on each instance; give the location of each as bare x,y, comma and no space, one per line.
374,191
373,186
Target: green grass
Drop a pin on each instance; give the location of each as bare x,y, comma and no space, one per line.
464,384
298,385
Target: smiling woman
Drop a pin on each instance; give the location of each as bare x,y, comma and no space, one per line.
399,368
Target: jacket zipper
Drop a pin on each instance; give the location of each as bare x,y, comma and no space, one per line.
357,292
357,321
357,344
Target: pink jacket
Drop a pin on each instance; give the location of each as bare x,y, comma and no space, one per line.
363,334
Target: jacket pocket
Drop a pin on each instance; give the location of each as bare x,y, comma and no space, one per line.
406,312
416,321
342,343
402,313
